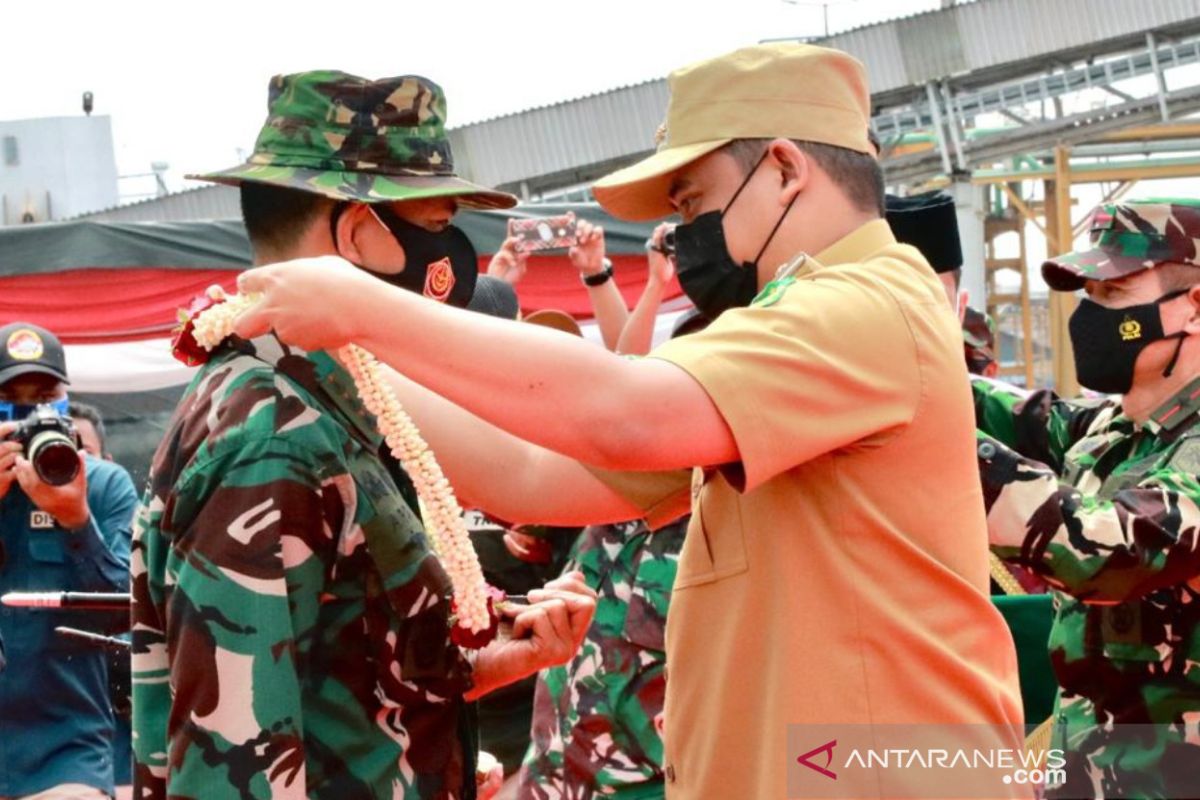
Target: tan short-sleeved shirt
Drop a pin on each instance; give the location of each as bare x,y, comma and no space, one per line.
838,573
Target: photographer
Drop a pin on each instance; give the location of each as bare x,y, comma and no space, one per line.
54,536
595,271
638,334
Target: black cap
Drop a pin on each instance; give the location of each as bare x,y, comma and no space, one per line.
26,348
494,297
927,222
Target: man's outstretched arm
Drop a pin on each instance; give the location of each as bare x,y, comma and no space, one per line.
515,480
560,392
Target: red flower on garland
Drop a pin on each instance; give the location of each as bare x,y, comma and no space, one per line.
472,640
184,346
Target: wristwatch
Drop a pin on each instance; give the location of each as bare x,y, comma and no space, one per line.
601,277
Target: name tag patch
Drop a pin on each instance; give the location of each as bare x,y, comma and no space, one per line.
41,521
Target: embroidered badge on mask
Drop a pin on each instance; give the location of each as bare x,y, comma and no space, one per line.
772,293
41,521
1131,330
439,280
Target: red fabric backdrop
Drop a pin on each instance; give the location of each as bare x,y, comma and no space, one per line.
103,305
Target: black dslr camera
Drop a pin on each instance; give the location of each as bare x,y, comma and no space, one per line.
48,439
668,243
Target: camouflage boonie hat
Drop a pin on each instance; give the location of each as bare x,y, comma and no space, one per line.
349,138
1128,238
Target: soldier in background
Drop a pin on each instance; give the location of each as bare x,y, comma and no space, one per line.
596,719
1100,498
979,343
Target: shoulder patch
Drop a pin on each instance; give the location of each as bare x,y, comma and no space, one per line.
772,293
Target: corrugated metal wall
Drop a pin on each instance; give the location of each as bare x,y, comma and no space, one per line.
987,37
202,203
571,142
590,130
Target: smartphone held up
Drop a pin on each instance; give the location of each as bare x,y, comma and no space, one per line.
544,233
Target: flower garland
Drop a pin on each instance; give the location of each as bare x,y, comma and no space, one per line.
210,320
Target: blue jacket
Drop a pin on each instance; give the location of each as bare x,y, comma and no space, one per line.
56,721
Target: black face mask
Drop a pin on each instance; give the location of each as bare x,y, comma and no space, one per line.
708,274
1108,341
438,264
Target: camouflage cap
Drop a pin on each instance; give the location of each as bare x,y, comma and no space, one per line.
978,329
979,341
350,138
1128,238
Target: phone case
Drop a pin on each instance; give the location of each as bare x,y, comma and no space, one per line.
545,233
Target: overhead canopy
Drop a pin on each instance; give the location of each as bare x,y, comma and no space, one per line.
107,281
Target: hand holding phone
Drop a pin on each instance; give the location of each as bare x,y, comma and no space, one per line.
544,233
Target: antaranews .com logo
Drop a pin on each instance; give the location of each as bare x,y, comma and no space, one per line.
918,761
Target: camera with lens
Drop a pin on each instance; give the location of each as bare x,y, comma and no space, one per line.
668,243
48,439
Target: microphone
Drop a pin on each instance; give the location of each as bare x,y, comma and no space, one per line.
107,642
75,601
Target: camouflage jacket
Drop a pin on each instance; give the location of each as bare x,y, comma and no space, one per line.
289,620
593,719
1108,512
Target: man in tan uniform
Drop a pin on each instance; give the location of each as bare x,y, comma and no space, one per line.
835,570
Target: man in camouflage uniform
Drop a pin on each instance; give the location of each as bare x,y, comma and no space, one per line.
979,343
1100,498
290,623
594,719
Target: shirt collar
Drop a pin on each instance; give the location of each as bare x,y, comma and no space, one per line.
323,376
858,245
1178,412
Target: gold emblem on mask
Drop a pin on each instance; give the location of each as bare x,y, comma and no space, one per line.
1130,329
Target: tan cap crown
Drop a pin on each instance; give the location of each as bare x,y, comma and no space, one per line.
779,90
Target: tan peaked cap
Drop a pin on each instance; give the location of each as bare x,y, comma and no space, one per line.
781,89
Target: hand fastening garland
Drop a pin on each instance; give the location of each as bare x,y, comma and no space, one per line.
210,321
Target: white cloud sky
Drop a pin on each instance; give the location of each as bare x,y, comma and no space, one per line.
186,83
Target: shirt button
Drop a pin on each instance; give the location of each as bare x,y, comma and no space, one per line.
986,450
670,773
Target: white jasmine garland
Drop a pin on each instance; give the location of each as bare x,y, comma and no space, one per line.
445,525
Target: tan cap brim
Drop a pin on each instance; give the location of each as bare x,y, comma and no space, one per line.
639,192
